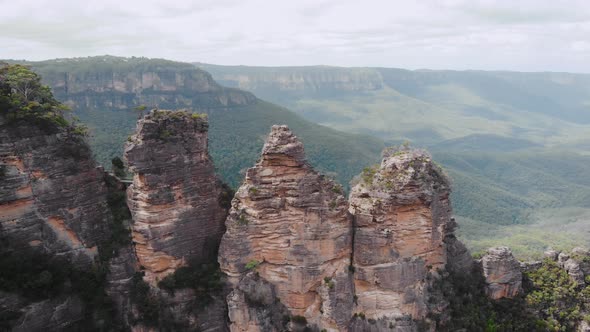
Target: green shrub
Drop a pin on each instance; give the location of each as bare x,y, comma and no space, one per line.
252,264
204,279
368,174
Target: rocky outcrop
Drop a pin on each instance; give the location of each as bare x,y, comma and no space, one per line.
576,263
402,217
290,225
502,273
174,198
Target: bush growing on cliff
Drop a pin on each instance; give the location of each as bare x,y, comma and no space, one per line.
204,279
120,233
37,276
252,264
147,304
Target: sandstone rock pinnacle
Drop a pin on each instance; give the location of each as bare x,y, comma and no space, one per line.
177,216
402,224
290,226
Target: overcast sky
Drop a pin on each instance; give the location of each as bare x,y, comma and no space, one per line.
530,35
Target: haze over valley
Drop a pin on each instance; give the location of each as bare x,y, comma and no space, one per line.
301,166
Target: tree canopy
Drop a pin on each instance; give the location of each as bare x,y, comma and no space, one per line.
23,96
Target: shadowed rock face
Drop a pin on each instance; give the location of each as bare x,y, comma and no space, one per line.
52,201
174,198
289,224
52,194
402,228
502,273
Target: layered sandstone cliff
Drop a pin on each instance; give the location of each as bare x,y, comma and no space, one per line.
402,224
52,194
287,248
175,195
52,205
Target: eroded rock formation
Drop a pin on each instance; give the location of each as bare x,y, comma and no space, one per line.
502,273
290,225
174,198
402,224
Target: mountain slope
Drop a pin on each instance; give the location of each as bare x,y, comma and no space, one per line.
103,91
425,106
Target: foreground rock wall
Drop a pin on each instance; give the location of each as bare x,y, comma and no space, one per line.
52,203
52,194
289,226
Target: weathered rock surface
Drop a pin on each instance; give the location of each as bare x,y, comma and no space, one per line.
291,225
402,233
57,314
52,202
253,306
52,194
174,198
502,273
119,282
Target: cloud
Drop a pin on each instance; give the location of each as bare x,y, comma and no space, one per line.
455,34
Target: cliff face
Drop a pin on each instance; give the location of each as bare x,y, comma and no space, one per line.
290,225
123,83
53,196
402,218
298,80
52,205
174,198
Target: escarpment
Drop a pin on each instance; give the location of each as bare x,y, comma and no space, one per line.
402,219
297,81
288,236
175,195
123,83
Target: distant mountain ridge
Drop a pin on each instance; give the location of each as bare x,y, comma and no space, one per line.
514,104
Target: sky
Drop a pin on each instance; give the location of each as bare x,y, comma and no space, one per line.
526,35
